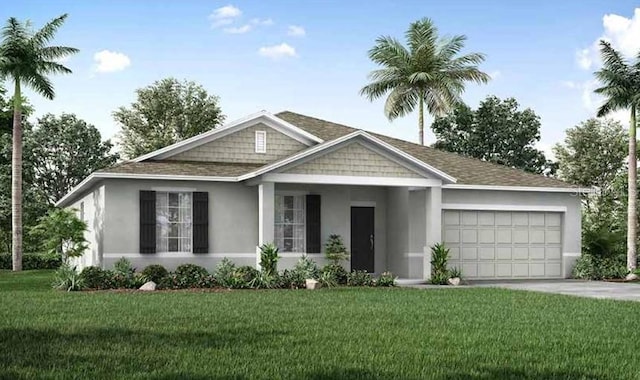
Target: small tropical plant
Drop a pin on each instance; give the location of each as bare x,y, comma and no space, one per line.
307,268
386,279
155,273
96,278
224,273
269,259
455,273
62,233
67,278
439,259
360,278
188,276
336,272
328,279
335,250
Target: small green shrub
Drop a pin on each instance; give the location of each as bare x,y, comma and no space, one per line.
123,266
439,258
455,272
359,278
266,281
224,273
244,277
188,276
335,271
96,278
155,273
386,279
307,268
335,250
292,279
207,282
590,267
328,279
269,259
33,261
67,278
61,232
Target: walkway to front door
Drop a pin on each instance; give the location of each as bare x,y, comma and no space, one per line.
362,238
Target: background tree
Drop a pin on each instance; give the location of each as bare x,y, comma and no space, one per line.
64,151
428,71
620,85
593,155
27,59
164,113
496,132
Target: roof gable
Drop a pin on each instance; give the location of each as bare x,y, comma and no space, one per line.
262,117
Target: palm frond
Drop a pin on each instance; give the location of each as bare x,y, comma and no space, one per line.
448,48
57,52
50,67
389,52
401,101
40,84
48,31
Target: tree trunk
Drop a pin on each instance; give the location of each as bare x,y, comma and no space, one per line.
16,181
421,122
632,219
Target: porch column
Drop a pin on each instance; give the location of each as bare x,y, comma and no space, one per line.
434,225
266,216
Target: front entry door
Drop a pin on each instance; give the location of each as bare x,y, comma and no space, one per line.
362,238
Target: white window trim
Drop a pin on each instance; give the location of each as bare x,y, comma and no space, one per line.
304,211
177,253
262,149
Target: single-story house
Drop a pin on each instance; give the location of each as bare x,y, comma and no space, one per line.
294,180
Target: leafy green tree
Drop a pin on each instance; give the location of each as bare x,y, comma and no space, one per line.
27,59
64,151
620,86
335,250
593,155
62,233
429,70
498,131
164,113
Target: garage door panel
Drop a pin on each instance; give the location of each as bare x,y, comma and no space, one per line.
504,244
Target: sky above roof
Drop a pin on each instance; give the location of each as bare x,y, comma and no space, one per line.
311,57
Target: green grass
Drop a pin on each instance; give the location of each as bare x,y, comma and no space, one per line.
335,333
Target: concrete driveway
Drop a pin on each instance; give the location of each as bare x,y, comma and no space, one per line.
592,289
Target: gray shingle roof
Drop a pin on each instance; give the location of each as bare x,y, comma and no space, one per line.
208,169
467,171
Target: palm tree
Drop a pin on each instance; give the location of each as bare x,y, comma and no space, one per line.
429,71
26,60
620,85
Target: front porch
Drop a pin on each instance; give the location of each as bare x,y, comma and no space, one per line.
386,225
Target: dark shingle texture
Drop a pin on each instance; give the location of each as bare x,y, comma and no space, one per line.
467,171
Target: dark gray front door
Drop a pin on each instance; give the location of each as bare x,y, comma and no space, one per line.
362,238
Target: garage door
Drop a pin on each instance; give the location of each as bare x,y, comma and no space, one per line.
504,244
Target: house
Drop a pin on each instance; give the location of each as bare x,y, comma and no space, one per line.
294,180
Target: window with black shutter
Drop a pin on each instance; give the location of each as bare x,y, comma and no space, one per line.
147,221
200,222
313,224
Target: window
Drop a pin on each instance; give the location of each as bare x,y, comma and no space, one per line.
173,222
261,142
290,223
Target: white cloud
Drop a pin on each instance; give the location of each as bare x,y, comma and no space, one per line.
296,31
262,22
495,74
277,51
620,31
110,61
224,15
238,30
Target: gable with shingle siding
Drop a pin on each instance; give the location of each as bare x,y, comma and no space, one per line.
240,147
354,160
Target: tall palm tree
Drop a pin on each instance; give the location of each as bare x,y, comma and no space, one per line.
620,85
26,59
430,71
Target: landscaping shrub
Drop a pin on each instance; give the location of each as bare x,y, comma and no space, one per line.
328,279
266,281
244,277
155,273
207,282
359,278
386,279
188,276
224,273
33,261
455,272
122,275
335,272
307,268
439,258
67,278
335,250
269,259
96,278
292,279
590,267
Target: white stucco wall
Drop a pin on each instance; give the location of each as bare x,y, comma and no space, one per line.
93,203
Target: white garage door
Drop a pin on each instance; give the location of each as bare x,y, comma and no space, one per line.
504,244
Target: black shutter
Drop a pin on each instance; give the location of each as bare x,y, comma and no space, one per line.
200,222
313,223
147,221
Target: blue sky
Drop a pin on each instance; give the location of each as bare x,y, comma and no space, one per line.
311,57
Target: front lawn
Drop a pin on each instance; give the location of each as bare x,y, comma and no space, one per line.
333,333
